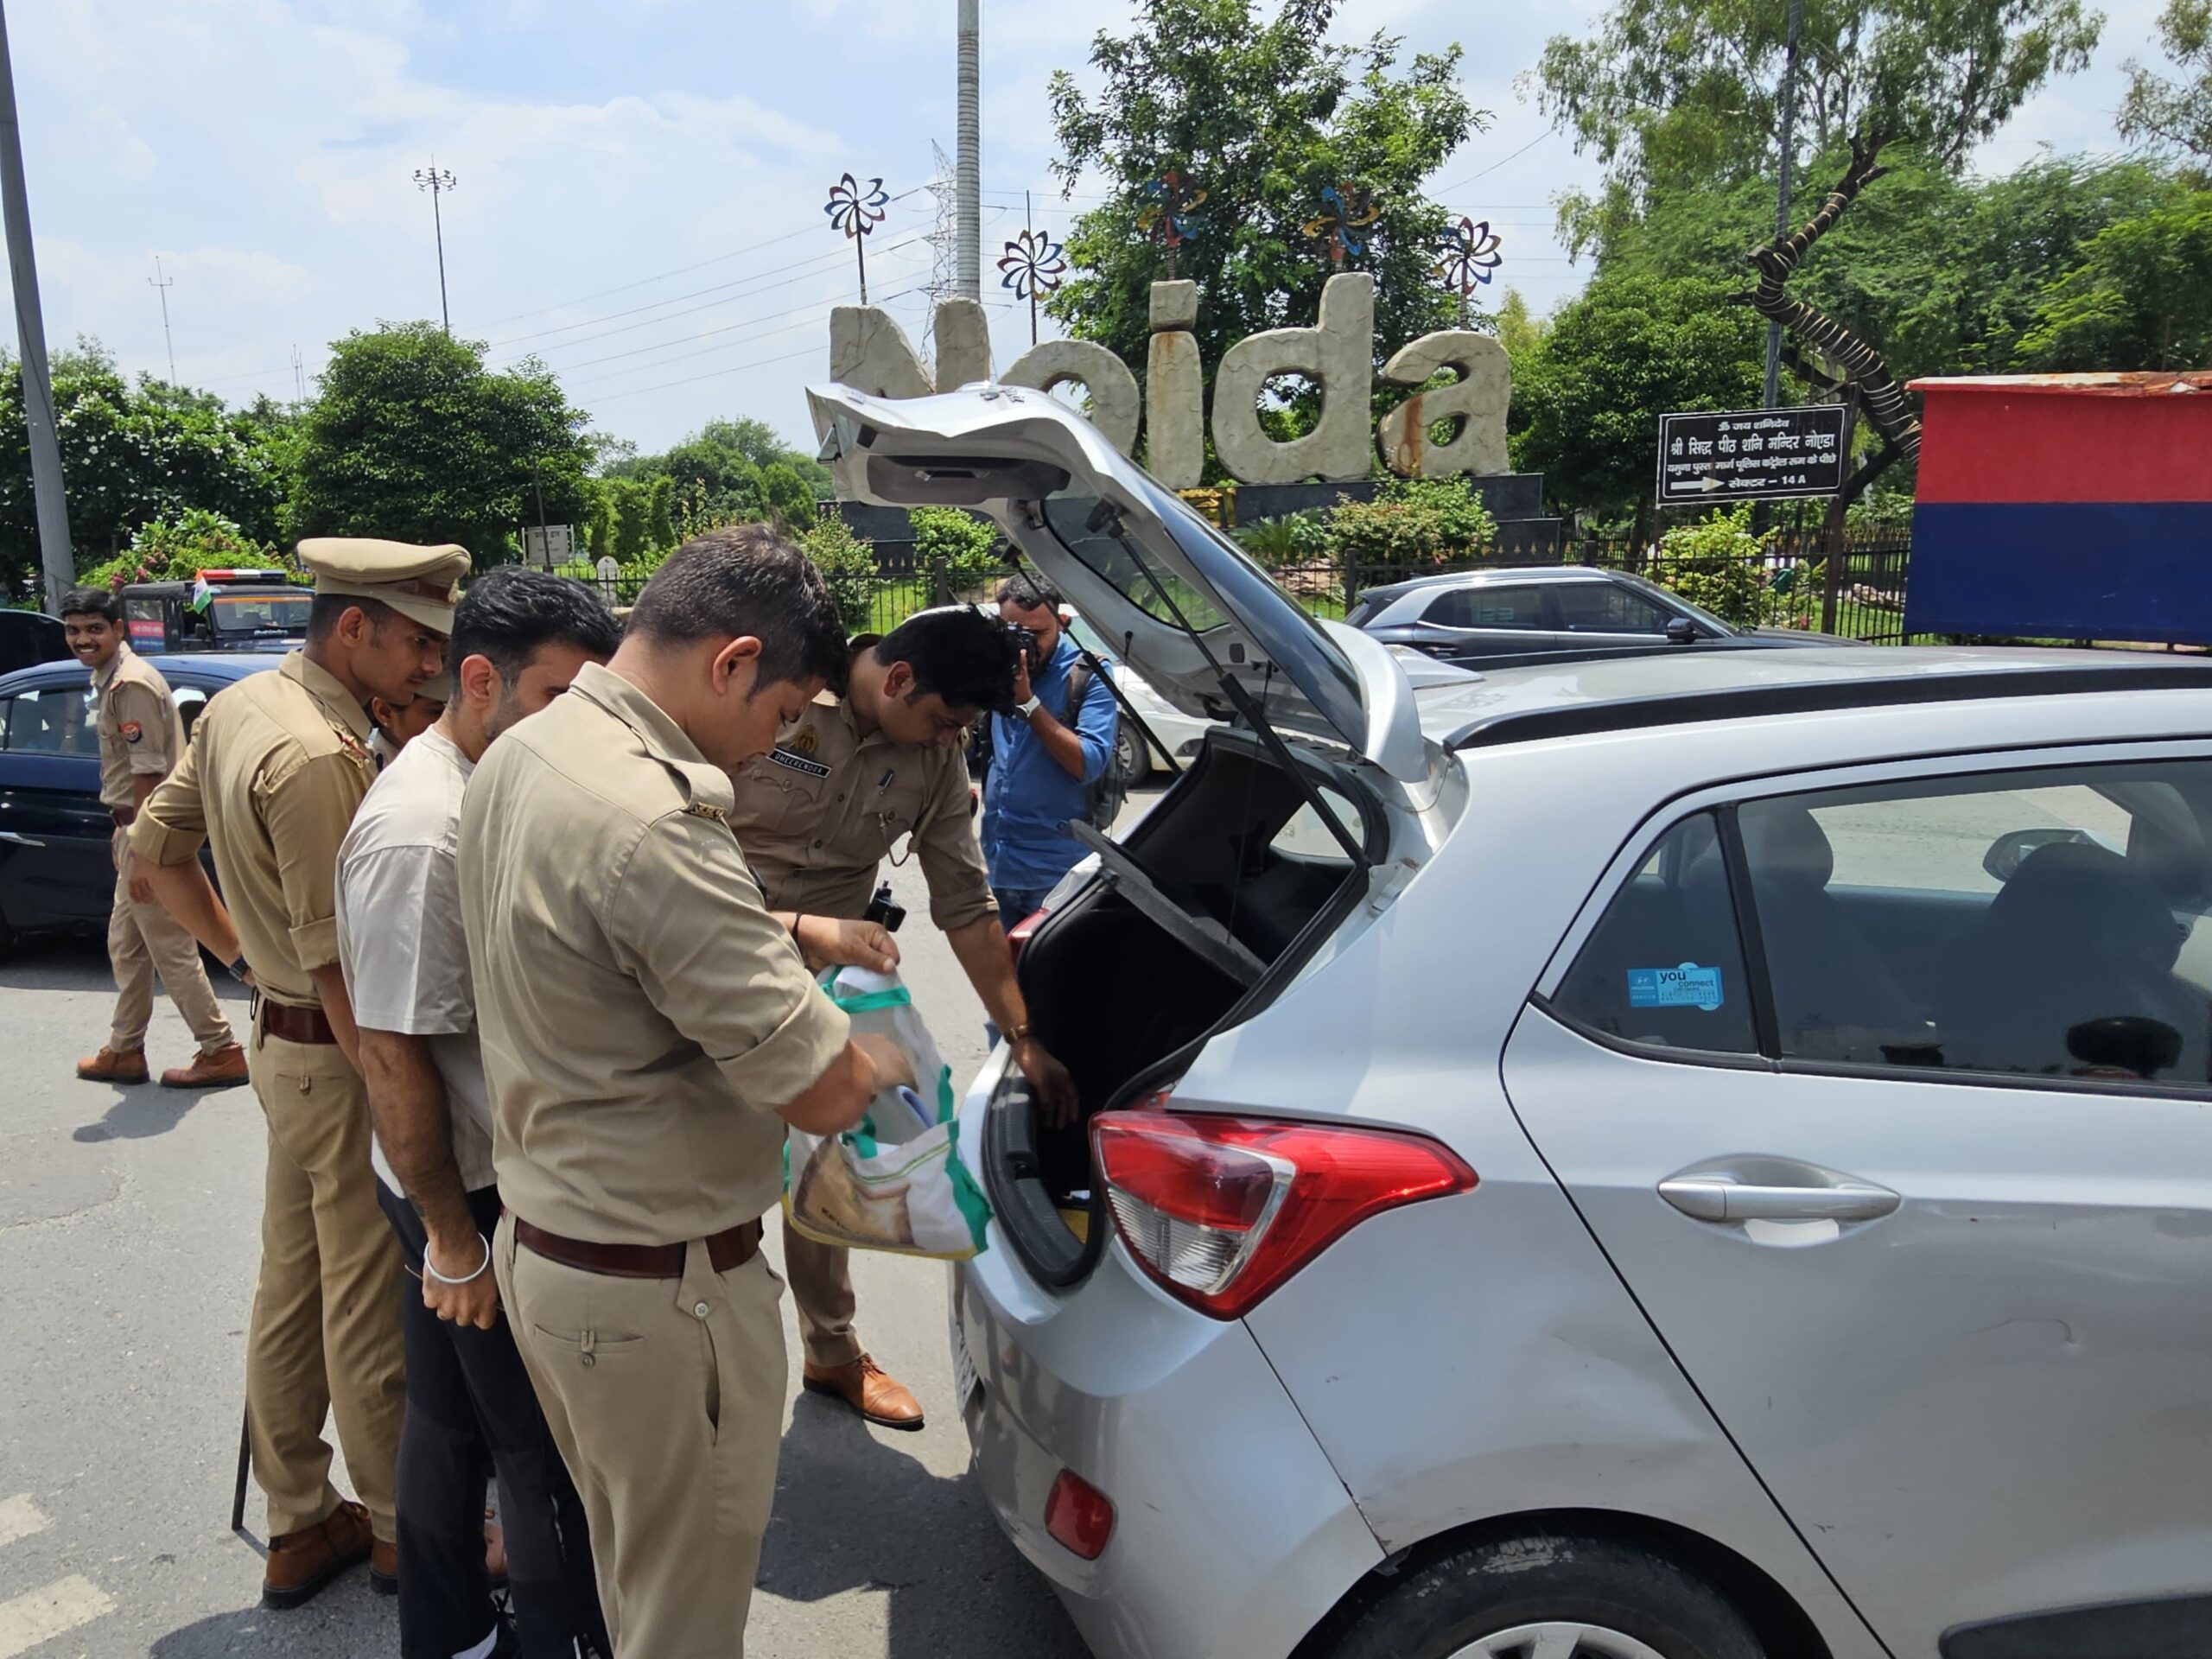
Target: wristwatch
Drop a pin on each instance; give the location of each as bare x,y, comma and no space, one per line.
1028,709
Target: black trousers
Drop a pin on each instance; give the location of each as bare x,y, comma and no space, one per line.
469,1407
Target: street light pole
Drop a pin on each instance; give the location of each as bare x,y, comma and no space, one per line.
1782,197
30,331
437,180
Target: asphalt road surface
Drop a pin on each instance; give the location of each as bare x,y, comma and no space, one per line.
129,1229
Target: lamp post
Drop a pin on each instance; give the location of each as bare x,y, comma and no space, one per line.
30,338
437,180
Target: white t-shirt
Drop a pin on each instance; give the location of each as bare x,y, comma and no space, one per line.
400,939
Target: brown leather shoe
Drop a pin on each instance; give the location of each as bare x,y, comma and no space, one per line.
301,1563
863,1385
384,1568
109,1066
217,1071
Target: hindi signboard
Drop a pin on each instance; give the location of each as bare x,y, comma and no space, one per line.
549,545
1752,454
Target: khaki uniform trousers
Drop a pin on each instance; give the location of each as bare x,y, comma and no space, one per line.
144,940
325,1334
821,1291
666,1399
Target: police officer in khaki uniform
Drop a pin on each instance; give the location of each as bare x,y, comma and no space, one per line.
141,737
276,767
881,772
647,1030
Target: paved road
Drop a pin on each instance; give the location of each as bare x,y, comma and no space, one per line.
127,1238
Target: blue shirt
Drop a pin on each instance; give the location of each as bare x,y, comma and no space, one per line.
1030,797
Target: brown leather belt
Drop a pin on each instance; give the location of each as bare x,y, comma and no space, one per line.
124,816
732,1249
296,1025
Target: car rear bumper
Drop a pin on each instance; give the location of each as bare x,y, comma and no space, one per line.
1232,1535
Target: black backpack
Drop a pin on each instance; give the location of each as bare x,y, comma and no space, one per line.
1102,801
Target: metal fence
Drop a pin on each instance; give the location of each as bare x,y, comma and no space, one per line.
1791,586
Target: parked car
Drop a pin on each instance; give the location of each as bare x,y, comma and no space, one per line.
56,872
29,638
1521,612
1695,1155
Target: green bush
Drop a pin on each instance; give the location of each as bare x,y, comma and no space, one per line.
1412,522
848,564
1295,538
1720,564
174,549
966,548
788,496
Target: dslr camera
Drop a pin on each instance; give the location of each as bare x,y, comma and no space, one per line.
1025,641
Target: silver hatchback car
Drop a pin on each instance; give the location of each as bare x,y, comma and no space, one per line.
1679,1158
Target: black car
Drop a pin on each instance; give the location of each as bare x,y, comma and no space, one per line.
1507,614
56,871
30,637
219,610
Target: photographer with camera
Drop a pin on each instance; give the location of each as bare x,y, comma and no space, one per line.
881,772
1044,754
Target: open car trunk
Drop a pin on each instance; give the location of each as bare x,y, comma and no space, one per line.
1193,924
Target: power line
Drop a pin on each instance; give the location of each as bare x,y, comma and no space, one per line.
809,229
812,311
1547,133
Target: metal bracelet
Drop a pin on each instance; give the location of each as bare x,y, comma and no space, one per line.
473,1277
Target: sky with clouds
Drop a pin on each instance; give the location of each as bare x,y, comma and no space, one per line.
639,184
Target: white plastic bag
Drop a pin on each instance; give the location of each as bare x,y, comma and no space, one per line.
894,1182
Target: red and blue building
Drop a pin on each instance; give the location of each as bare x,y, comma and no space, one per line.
2064,506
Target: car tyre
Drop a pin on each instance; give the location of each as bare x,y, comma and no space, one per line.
1132,758
1547,1593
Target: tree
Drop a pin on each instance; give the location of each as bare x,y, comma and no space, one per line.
788,495
414,439
1519,330
717,469
1261,116
1586,400
1682,93
130,454
633,516
2176,114
660,520
2137,299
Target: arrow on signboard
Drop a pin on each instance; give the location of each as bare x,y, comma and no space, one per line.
1705,484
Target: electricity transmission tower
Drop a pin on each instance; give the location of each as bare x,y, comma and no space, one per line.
944,243
438,180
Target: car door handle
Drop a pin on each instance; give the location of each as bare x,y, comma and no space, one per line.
13,839
1705,1199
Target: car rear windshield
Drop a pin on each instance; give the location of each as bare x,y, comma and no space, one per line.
259,612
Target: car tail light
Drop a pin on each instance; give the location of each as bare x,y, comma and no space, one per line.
1222,1210
1022,932
1079,1514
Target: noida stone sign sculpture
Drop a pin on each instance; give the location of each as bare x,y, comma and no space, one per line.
871,353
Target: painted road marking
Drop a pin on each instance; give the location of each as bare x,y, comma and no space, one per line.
54,1610
20,1518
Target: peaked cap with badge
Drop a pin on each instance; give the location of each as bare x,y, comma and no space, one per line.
419,582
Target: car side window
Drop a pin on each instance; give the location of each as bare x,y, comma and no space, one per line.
189,699
1606,607
2045,924
51,719
1488,607
1665,964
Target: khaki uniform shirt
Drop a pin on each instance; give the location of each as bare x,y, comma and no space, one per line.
278,763
817,815
641,1014
142,734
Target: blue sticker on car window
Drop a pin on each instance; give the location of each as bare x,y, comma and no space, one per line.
1687,985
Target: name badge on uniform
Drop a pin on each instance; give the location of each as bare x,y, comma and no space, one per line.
797,762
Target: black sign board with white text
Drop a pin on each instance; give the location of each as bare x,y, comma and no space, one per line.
1752,454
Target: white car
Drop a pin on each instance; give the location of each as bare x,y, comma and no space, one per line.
1705,1155
1176,736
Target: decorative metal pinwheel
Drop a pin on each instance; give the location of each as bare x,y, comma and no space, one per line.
1032,264
1166,218
1471,255
857,210
1344,214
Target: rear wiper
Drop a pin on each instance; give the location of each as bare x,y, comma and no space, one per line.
1107,518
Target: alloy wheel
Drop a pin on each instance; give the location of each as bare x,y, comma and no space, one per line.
1559,1639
